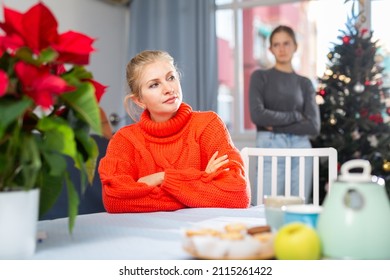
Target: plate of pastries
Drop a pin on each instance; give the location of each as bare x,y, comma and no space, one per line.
233,241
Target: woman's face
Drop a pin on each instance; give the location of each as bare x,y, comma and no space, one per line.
283,47
160,90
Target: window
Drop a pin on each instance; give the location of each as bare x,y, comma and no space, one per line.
381,33
243,29
379,21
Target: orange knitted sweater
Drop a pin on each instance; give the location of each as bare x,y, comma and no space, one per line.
182,148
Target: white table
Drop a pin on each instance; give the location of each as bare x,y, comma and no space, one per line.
137,236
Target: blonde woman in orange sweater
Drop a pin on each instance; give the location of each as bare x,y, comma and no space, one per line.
173,157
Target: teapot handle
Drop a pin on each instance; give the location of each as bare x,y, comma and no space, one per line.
356,163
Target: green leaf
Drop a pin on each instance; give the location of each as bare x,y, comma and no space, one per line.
56,163
92,161
47,55
26,54
83,102
10,111
9,150
30,161
73,203
59,136
77,74
51,187
92,151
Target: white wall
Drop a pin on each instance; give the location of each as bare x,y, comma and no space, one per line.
108,24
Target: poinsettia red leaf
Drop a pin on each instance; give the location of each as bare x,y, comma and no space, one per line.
40,84
42,98
74,47
26,73
3,82
52,83
12,42
13,21
99,89
73,58
39,27
13,30
58,69
46,88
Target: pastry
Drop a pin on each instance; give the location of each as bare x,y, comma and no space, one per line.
259,229
233,241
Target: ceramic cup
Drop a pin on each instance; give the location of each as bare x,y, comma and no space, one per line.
274,214
306,213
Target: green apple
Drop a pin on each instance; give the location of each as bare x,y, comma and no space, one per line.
297,241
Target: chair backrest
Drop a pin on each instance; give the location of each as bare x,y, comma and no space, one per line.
315,153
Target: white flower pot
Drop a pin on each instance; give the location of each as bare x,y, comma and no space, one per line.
18,223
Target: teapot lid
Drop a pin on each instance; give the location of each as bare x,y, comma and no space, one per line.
364,176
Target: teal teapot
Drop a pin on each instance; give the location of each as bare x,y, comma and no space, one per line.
355,221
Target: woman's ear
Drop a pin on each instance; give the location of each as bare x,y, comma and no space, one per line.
296,47
138,101
271,51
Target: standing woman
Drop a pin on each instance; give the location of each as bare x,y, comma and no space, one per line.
174,157
283,107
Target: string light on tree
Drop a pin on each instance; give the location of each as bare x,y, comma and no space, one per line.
332,120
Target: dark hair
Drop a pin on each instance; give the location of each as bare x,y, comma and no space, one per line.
283,28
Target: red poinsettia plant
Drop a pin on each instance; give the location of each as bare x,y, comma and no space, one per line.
49,106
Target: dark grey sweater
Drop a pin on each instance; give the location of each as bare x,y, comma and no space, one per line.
285,101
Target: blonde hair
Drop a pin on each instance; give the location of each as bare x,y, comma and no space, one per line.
134,71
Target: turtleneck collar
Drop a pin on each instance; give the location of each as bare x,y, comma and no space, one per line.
168,128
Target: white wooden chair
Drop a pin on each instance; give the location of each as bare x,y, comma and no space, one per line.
315,153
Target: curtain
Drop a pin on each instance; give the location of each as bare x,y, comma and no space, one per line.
186,30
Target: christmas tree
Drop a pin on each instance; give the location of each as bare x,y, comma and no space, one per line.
355,118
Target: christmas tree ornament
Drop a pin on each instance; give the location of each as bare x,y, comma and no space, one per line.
373,141
355,135
376,118
346,39
386,166
358,87
363,31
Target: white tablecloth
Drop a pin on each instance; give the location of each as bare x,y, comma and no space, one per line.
137,236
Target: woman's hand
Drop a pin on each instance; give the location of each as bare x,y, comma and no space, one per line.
153,179
215,163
